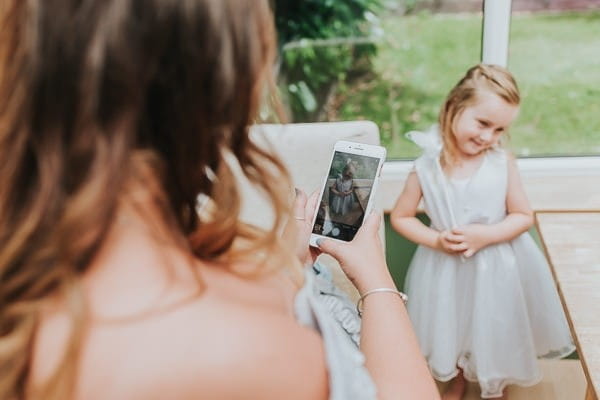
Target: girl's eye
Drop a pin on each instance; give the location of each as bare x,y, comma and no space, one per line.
483,124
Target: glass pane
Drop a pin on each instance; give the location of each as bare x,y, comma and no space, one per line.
556,60
418,62
397,77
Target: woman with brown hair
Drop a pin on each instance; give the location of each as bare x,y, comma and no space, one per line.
116,116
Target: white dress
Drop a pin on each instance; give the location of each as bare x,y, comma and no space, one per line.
492,314
341,204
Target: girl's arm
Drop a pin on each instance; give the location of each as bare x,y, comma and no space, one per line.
334,188
519,217
405,222
520,214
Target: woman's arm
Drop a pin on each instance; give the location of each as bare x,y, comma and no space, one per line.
519,217
405,222
392,352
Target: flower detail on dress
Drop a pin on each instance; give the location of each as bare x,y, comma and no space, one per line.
430,140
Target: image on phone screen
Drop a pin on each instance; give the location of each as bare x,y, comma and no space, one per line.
346,195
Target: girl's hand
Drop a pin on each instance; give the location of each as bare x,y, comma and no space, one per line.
451,243
304,211
362,259
475,237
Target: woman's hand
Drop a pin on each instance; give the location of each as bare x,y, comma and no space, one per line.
362,259
388,341
301,221
474,237
451,243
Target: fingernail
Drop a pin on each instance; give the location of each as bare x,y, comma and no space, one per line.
318,242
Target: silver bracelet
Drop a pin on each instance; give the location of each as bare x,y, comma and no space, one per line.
360,301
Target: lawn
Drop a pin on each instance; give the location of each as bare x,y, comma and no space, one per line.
555,58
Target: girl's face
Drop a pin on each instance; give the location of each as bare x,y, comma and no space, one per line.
481,125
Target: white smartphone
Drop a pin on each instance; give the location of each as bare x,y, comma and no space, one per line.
347,193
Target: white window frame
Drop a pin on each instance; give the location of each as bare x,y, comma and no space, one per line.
496,31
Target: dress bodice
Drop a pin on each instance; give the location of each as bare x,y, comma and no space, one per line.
481,199
343,185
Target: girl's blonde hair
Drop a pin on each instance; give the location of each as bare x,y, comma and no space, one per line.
98,95
482,78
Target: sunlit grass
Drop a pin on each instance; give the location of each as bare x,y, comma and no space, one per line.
555,58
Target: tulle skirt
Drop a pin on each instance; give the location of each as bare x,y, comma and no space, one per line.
492,314
341,204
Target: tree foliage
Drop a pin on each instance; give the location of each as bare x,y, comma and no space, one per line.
318,47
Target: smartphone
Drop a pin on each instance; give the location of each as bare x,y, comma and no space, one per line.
347,193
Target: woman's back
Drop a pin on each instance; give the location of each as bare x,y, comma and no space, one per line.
152,335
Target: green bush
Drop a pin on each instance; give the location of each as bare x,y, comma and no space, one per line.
317,46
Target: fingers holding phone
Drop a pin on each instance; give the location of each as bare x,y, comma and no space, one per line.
347,192
362,259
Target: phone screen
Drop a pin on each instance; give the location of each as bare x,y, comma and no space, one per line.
346,195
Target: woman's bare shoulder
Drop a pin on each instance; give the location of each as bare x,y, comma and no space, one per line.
239,352
260,355
235,340
214,346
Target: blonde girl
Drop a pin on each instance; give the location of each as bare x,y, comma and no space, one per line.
481,296
343,191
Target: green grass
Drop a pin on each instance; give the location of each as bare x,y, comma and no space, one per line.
555,59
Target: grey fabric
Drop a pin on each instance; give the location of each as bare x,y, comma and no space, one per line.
348,377
337,302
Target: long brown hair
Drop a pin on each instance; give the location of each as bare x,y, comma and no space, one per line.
94,93
479,78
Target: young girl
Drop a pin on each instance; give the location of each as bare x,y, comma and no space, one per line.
481,296
342,191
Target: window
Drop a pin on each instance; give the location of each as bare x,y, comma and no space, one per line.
419,59
555,58
421,56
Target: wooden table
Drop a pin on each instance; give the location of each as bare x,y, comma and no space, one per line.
571,241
